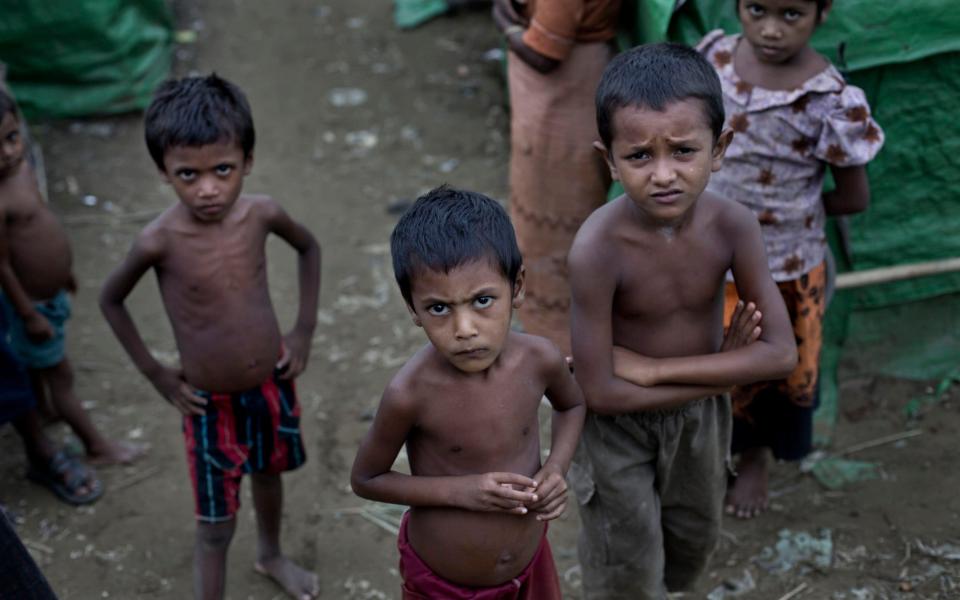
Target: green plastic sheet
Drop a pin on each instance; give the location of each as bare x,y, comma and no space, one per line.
906,57
410,13
70,58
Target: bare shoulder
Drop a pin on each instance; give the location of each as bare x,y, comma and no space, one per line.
540,354
260,205
725,213
593,242
151,242
407,387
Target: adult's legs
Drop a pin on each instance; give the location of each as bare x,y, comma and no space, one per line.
210,559
268,502
557,178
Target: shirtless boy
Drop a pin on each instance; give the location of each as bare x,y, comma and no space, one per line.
240,412
647,273
466,407
36,275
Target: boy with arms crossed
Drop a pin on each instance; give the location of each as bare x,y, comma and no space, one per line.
647,273
36,278
240,412
466,407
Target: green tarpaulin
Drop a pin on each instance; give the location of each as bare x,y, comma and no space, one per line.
905,54
68,58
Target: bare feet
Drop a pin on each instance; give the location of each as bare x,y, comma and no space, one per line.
117,453
297,581
747,496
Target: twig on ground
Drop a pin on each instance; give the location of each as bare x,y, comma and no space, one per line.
387,517
896,437
37,546
794,592
141,475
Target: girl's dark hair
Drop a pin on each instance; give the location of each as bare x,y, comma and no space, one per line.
653,76
196,111
446,228
821,4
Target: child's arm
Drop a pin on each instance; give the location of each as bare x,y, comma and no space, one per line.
744,330
566,422
852,192
372,475
37,327
772,356
145,253
512,26
593,283
296,349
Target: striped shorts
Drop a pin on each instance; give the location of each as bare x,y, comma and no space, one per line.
255,431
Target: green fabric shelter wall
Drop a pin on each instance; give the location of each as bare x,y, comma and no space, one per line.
69,58
905,54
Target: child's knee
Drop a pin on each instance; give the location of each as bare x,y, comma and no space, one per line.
215,537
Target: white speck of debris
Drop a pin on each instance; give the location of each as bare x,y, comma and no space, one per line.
362,140
89,200
341,97
135,433
449,165
493,55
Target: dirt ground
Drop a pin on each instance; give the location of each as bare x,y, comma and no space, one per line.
432,109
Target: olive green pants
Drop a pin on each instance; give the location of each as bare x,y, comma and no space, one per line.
650,489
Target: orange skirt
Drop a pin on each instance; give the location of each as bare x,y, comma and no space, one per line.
805,300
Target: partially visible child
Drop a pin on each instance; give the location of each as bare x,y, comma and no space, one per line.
647,273
466,406
793,115
36,277
235,385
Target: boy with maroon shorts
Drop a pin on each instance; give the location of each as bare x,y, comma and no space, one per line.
466,407
240,412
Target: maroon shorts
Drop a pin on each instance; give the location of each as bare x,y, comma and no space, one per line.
537,582
255,431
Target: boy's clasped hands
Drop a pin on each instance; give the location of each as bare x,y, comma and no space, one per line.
545,494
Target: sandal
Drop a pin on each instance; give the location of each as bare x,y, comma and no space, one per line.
65,476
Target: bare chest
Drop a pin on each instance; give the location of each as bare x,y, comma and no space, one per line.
662,277
474,431
214,265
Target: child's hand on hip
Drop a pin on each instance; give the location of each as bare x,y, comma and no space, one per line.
38,328
296,351
172,386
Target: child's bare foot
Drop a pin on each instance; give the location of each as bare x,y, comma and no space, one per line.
117,453
747,496
297,581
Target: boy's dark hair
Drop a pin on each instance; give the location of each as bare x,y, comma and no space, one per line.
446,228
196,111
821,4
652,77
7,104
